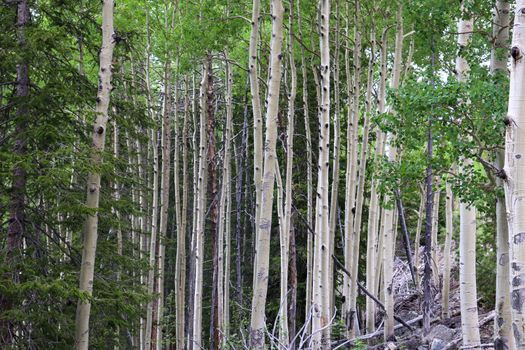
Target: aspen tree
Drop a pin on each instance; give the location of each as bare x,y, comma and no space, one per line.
418,235
223,213
370,275
351,240
374,239
391,151
286,227
200,212
195,205
498,66
177,201
321,294
264,223
93,183
257,115
449,216
164,195
153,238
309,175
334,195
435,228
350,286
515,170
180,264
467,214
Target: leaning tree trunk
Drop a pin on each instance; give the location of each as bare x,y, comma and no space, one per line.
264,223
93,183
467,215
321,298
498,67
515,170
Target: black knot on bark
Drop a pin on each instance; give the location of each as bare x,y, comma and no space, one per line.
100,130
506,121
515,52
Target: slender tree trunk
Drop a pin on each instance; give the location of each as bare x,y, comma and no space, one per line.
284,335
264,223
449,222
498,67
212,193
417,241
334,195
389,240
17,200
223,214
467,214
93,185
200,212
192,261
292,287
180,263
241,157
435,228
164,198
514,170
351,239
152,240
373,210
257,116
309,175
17,195
370,276
321,294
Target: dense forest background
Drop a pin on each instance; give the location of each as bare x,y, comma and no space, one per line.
217,174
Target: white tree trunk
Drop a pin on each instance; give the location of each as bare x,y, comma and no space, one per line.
515,172
321,299
435,229
371,238
93,182
449,222
373,208
257,116
498,66
334,195
351,238
417,244
467,214
264,223
389,234
200,212
309,174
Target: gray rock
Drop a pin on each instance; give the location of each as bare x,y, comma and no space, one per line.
438,344
441,332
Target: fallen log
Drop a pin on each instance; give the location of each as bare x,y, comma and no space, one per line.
370,295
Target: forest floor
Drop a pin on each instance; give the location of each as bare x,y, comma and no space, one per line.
445,334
